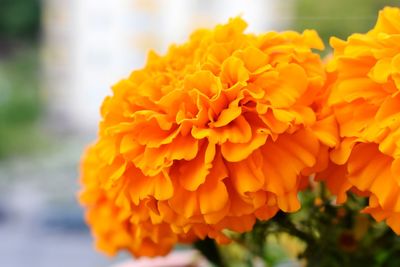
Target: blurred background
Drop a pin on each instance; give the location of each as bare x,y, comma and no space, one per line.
58,59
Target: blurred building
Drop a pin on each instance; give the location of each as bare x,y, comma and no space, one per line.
89,45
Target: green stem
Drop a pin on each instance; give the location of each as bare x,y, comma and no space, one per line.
210,250
289,227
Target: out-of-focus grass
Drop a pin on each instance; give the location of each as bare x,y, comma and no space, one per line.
338,18
19,101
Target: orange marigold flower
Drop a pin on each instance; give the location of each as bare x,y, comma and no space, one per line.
366,102
211,136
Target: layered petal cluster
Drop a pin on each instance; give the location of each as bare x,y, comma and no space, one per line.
217,133
366,102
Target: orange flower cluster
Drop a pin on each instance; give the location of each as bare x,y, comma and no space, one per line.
365,97
221,131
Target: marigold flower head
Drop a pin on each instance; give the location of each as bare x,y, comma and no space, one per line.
366,102
213,135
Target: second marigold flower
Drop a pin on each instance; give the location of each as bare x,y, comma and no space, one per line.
366,102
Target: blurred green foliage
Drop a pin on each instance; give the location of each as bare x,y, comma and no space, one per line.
325,234
338,18
19,67
19,19
19,101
